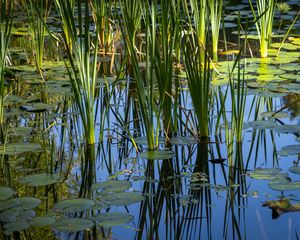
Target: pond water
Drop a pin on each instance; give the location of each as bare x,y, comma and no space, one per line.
56,186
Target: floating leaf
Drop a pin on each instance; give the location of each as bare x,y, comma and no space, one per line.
281,206
144,141
15,226
120,198
36,107
289,150
39,179
17,148
157,154
113,219
262,124
74,205
6,193
184,141
273,114
295,169
112,186
22,203
284,186
42,221
21,131
288,128
267,174
72,225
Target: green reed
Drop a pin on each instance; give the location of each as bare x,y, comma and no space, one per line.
199,76
215,13
6,8
264,23
82,66
161,35
164,38
199,17
37,14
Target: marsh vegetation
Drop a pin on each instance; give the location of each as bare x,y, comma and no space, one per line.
131,119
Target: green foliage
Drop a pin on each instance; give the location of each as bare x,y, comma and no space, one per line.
83,61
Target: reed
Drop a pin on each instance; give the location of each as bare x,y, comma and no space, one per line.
82,66
198,75
164,38
264,23
6,9
215,13
199,17
37,14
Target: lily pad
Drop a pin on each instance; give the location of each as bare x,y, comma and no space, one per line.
21,131
157,154
262,124
74,205
143,140
113,219
273,114
295,169
288,129
40,179
72,225
42,221
284,186
184,141
289,150
36,107
15,226
22,203
120,198
267,174
112,186
6,193
18,148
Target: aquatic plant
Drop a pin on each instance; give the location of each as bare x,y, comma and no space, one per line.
198,17
215,13
198,75
37,13
6,8
82,70
264,23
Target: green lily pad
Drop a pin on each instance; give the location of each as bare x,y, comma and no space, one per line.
157,154
74,205
268,94
36,107
184,141
22,203
112,186
15,226
290,67
113,219
262,124
21,131
72,225
40,179
42,221
273,114
143,140
119,198
284,186
12,215
288,129
295,169
6,193
267,174
289,150
18,148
